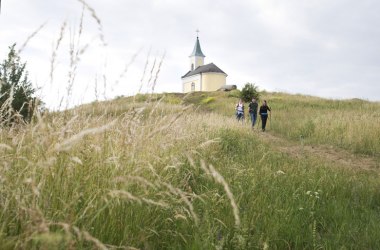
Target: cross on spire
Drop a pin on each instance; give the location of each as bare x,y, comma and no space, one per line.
197,47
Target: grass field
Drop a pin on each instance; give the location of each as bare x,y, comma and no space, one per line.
178,172
353,125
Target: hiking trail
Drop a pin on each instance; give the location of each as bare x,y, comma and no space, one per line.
328,153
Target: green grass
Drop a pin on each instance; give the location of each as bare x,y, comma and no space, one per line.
349,124
148,173
282,207
352,125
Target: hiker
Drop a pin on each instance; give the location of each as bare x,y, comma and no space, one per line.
264,114
240,110
253,106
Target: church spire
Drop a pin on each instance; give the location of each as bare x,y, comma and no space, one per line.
197,48
197,57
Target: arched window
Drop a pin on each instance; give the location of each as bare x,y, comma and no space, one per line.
192,86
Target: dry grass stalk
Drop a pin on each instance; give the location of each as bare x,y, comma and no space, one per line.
6,110
82,234
158,71
5,147
183,196
209,142
138,179
143,74
210,170
87,236
131,197
151,72
97,19
125,71
30,37
55,50
220,179
68,143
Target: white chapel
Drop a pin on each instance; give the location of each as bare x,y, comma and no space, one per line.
202,77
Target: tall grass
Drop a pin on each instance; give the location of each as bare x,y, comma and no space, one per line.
352,125
64,176
177,171
154,175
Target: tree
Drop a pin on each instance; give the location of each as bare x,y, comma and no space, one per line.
249,91
16,91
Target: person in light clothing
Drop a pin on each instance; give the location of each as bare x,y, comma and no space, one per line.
240,110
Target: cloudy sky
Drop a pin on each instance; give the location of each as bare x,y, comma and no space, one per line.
317,47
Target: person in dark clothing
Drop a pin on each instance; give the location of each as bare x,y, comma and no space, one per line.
264,114
253,106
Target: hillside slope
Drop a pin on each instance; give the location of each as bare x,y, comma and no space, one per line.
353,125
177,171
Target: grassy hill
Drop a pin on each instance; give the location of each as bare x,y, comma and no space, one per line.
174,171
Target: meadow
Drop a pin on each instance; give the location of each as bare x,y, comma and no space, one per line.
174,171
353,125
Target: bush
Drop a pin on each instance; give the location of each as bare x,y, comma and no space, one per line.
16,91
208,100
141,98
172,99
234,93
249,91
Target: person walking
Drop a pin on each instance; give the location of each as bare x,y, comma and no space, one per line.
253,106
240,110
264,114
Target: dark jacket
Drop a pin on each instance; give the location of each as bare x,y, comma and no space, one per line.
253,107
264,110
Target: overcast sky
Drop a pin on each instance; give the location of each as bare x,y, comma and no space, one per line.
317,47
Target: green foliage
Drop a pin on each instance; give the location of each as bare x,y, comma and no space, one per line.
307,129
172,99
249,91
208,100
234,93
141,98
16,91
194,98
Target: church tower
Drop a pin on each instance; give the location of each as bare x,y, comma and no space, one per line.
201,77
197,57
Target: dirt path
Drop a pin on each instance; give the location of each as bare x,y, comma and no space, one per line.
337,156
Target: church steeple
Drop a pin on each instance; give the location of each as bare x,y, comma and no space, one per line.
197,49
197,57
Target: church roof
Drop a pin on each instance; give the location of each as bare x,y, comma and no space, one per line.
197,49
204,69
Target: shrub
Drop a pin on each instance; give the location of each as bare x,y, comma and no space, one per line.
16,91
249,91
234,93
172,99
207,100
141,98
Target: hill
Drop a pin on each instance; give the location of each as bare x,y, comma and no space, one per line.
177,171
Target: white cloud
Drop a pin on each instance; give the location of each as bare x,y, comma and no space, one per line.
315,47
